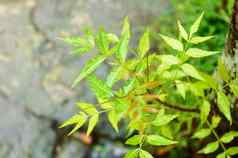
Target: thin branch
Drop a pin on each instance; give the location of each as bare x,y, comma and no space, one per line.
176,107
173,106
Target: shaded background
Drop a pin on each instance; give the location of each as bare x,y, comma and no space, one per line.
36,69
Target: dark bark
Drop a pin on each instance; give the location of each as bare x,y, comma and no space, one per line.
230,57
231,44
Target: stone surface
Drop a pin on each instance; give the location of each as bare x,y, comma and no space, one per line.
36,72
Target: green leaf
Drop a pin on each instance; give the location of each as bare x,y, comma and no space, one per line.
183,33
232,151
199,39
131,154
181,88
114,119
105,104
198,53
126,27
102,41
221,155
204,111
122,49
172,74
202,133
210,81
92,123
168,60
100,88
173,43
196,24
122,46
228,137
90,66
81,45
209,148
215,121
145,154
191,71
144,44
224,105
112,38
134,140
234,88
162,120
114,75
86,107
81,118
198,88
224,74
73,120
159,140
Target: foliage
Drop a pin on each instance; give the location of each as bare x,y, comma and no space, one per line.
215,23
158,95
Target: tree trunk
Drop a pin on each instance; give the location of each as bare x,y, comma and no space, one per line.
230,57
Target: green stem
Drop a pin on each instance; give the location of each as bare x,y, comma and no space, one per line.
217,137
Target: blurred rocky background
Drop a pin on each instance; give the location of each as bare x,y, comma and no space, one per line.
36,71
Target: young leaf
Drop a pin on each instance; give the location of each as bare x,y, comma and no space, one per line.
161,120
100,88
191,71
73,120
209,148
228,137
105,104
221,155
199,39
159,140
114,118
232,151
183,33
126,27
224,106
144,44
224,74
81,45
86,107
202,133
122,46
173,43
204,111
92,123
134,140
102,41
89,68
168,59
78,125
81,121
112,38
181,88
131,154
234,88
145,154
114,75
196,24
209,80
215,121
198,53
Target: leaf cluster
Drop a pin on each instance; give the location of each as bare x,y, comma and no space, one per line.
156,94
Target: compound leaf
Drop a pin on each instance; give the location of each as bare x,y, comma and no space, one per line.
159,140
89,67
